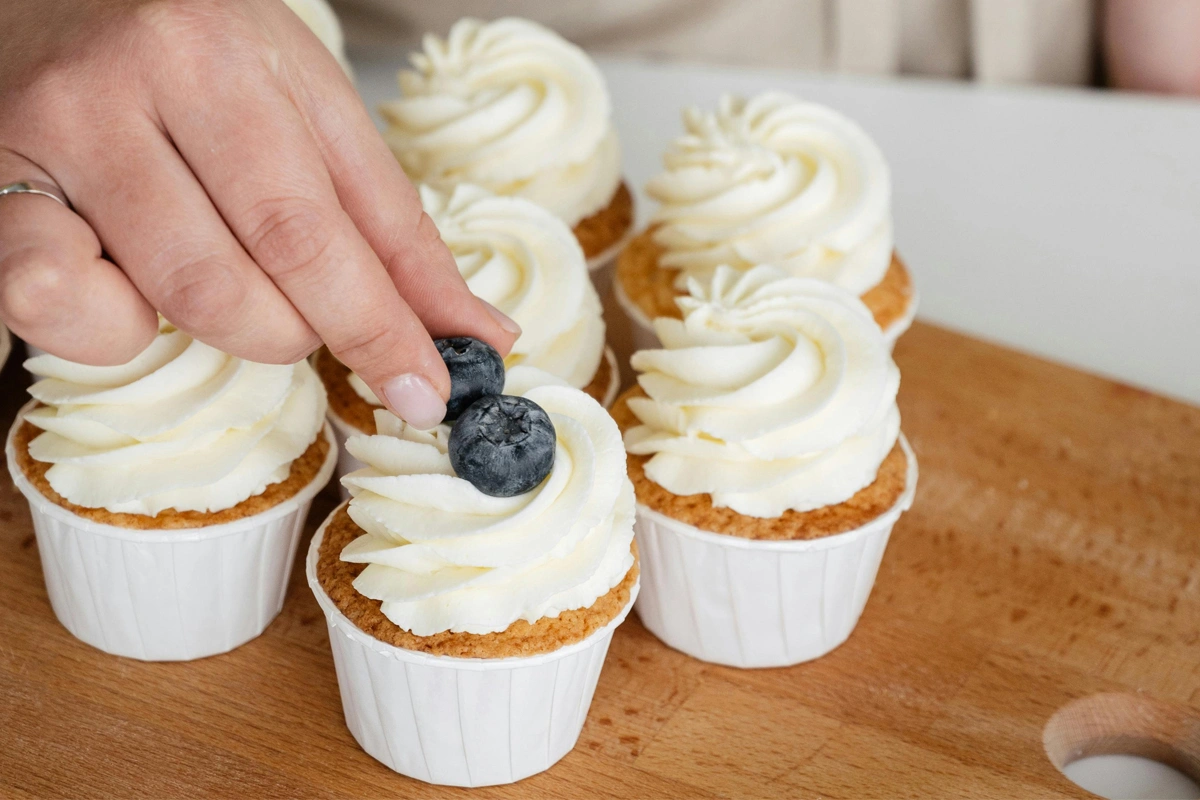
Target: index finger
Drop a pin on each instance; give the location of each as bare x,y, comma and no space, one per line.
259,164
386,209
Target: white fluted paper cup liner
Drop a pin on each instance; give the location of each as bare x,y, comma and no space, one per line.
343,430
749,603
644,337
167,595
461,721
893,332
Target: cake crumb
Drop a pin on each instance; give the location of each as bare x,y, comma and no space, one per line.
652,288
519,639
698,510
303,470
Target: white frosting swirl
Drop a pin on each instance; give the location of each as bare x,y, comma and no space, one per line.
181,426
772,393
773,180
511,106
443,556
526,262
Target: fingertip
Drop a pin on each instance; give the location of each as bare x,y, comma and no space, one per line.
506,324
79,309
137,337
413,398
100,346
397,358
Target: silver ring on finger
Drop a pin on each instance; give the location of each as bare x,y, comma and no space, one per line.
36,187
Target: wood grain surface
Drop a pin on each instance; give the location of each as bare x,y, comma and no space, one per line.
1053,553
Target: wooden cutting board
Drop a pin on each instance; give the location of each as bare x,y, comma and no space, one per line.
1053,554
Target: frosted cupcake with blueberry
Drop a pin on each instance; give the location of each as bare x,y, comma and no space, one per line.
168,493
524,261
768,180
512,106
765,450
473,581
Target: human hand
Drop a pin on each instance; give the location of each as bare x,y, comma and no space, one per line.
223,172
1153,45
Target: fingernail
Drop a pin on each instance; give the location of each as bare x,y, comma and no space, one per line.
412,398
503,320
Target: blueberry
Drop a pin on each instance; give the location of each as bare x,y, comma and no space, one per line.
476,370
503,445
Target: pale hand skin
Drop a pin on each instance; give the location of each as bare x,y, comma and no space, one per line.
1153,45
223,172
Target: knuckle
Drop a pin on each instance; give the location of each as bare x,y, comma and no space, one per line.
420,258
210,35
368,349
402,242
34,286
292,238
111,52
176,22
48,99
49,90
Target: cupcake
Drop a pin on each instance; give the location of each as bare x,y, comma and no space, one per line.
468,630
770,180
524,261
168,493
511,106
765,450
